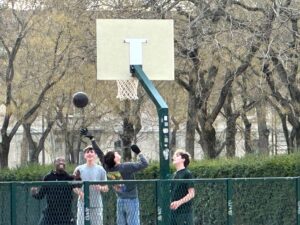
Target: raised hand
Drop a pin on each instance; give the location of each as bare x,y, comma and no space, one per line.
135,149
85,132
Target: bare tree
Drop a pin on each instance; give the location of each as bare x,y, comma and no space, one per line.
14,23
22,100
214,21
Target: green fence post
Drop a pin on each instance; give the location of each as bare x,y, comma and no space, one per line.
229,202
164,197
163,210
86,208
163,200
298,200
13,203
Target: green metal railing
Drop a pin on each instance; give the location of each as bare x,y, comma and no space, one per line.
298,199
240,201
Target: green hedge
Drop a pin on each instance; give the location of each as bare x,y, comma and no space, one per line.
32,172
250,166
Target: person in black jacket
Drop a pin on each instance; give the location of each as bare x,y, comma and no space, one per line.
58,210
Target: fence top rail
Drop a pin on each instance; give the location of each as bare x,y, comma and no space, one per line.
240,179
78,182
264,178
202,180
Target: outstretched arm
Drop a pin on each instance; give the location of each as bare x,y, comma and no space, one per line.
85,132
141,164
98,151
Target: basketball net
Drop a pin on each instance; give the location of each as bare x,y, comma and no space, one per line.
127,89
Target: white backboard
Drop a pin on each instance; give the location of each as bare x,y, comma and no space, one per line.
122,42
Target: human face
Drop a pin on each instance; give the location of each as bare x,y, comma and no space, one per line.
117,158
177,160
90,155
60,164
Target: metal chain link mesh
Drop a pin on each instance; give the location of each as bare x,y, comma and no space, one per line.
252,202
5,203
55,202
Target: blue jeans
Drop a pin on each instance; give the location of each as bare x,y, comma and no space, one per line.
128,211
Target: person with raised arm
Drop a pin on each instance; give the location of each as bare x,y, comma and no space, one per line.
128,211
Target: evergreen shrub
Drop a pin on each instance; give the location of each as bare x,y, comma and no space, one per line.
252,200
249,166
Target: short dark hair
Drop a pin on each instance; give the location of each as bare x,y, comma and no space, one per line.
109,159
88,148
186,159
185,155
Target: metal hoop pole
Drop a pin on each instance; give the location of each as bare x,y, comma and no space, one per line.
164,153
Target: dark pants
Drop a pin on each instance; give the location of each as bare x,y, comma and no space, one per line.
181,219
53,220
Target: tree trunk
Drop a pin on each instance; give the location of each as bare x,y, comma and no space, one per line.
127,136
191,125
75,153
208,142
128,132
230,136
71,152
263,131
72,156
295,139
32,146
4,151
247,135
173,135
283,119
231,126
24,149
3,158
285,132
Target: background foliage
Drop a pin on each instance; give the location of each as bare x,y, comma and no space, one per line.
250,166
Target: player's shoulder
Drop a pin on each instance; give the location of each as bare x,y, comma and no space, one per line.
184,173
188,173
187,170
99,167
49,176
77,168
80,167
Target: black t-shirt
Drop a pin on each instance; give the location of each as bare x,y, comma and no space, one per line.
180,189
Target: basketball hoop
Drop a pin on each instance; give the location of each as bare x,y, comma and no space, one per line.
127,89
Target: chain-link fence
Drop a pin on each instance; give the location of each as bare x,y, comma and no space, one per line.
254,201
